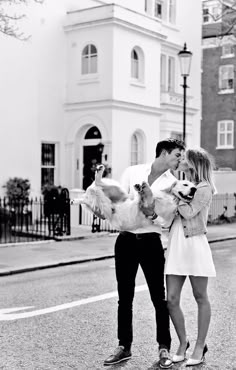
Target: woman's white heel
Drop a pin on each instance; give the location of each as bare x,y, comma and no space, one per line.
193,362
180,358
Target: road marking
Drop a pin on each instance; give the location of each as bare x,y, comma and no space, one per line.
9,314
227,250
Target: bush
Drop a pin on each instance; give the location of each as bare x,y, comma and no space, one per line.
17,189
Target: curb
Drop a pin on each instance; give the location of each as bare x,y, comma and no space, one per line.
89,236
54,265
222,239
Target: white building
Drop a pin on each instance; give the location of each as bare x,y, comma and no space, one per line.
96,72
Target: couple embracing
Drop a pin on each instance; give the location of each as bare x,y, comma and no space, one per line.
188,255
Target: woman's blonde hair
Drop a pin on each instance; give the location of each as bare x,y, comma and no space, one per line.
201,165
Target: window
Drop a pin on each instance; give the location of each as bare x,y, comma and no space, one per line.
134,65
171,74
47,164
158,9
89,59
167,73
137,66
226,78
163,72
145,5
136,149
206,15
225,135
93,133
227,50
172,11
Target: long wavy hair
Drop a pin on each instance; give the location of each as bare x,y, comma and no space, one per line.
201,165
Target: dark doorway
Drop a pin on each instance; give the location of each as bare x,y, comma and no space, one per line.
92,157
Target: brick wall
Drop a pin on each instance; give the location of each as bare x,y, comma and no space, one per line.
216,107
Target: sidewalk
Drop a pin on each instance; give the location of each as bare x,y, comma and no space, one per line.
80,247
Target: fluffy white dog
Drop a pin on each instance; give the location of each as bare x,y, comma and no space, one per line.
107,198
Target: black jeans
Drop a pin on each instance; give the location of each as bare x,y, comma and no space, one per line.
130,251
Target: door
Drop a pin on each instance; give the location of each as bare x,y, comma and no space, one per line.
92,157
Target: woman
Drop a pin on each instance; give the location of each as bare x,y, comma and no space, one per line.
189,254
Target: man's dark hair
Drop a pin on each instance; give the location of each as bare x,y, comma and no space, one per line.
168,145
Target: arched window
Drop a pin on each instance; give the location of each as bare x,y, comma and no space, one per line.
137,64
89,59
93,133
136,149
134,64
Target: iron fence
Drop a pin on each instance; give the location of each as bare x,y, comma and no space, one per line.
223,209
35,219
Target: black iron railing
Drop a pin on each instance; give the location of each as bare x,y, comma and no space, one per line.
34,219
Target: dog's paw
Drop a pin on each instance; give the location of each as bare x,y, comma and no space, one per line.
145,185
138,188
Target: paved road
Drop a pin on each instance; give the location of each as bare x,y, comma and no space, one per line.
72,320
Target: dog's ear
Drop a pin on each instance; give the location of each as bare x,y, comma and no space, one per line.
170,188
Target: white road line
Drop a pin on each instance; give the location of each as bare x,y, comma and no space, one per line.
9,314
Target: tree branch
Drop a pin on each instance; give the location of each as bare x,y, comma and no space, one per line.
9,20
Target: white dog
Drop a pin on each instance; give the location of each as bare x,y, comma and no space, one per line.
106,197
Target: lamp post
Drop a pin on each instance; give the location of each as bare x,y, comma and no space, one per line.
185,57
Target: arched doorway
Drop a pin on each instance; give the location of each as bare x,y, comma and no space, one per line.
92,154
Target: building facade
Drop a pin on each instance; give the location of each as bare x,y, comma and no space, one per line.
218,84
99,81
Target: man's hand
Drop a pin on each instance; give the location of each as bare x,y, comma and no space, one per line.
148,211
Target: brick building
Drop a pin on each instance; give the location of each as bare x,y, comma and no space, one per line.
218,85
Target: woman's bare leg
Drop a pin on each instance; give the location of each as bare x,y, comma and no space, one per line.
174,284
199,286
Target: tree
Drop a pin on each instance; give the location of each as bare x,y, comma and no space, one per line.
17,189
11,14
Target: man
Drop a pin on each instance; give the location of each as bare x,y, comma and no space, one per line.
143,246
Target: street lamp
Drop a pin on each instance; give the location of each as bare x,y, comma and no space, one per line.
185,57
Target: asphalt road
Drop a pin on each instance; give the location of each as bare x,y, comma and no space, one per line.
71,322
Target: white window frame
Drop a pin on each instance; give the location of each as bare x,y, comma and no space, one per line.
136,149
137,67
163,72
145,6
172,11
167,71
135,64
87,60
226,75
171,74
224,133
227,51
158,4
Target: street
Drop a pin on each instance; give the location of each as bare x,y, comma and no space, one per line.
68,318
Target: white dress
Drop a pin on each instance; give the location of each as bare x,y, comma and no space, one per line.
188,256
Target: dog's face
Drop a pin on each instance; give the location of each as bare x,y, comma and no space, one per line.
184,189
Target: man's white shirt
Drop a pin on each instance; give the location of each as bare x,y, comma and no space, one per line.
136,175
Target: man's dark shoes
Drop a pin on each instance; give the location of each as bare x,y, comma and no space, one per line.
165,361
120,354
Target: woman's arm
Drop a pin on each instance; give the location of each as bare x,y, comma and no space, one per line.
201,198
